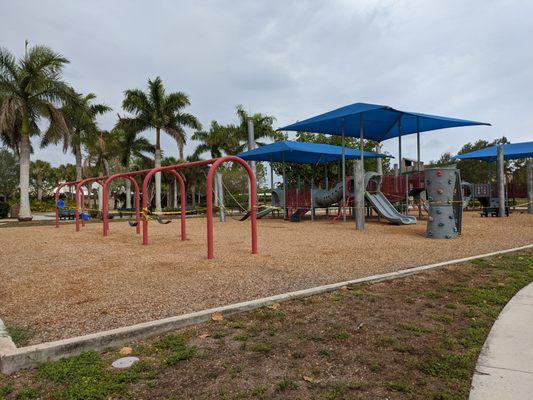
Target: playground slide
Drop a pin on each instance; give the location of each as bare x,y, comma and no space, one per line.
386,210
260,214
325,198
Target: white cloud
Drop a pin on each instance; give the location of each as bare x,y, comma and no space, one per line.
294,59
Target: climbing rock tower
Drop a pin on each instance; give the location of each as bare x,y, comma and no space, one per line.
443,188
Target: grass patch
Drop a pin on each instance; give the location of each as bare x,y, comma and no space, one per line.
19,334
286,384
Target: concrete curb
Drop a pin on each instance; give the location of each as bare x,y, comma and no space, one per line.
6,344
15,359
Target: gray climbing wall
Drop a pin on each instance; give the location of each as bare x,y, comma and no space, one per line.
442,195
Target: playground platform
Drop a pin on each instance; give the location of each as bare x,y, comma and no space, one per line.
58,283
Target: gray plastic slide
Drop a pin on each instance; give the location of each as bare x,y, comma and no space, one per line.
386,210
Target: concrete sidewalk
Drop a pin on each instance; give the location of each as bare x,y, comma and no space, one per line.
504,369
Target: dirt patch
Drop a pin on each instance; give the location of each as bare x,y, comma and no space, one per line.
412,338
58,283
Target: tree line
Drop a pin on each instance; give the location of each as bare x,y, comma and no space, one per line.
37,103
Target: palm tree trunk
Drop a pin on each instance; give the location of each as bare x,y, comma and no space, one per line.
77,154
128,193
169,195
158,175
193,195
175,197
180,149
222,211
24,171
39,184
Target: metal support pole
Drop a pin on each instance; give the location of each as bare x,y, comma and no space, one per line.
359,180
418,162
271,177
221,209
501,182
343,160
284,191
530,186
251,146
379,160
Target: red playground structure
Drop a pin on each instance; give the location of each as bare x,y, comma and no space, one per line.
141,206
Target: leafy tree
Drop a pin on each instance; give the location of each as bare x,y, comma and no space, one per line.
80,115
305,173
31,89
474,171
159,111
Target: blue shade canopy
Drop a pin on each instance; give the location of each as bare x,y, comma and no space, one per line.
379,122
303,153
511,151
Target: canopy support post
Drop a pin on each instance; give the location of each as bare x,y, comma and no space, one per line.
530,186
343,209
501,182
284,190
271,177
359,181
418,169
251,146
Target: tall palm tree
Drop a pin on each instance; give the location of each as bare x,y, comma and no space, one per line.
31,88
157,110
131,147
41,172
216,141
80,114
262,126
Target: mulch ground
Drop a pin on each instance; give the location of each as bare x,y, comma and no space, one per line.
58,283
411,338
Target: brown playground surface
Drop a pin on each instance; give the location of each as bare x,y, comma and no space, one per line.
58,283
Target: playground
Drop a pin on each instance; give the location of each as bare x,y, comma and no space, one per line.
70,283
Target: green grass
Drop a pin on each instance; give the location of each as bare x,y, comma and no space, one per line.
286,384
19,334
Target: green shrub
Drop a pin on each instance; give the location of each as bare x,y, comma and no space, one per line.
4,209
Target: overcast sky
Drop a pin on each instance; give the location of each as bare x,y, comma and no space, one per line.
295,59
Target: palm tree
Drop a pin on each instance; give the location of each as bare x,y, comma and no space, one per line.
159,111
31,88
262,126
218,140
102,148
80,114
131,147
41,171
